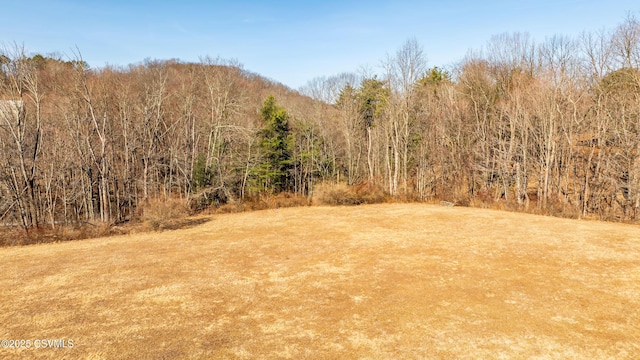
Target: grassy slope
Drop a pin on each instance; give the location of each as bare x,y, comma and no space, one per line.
381,281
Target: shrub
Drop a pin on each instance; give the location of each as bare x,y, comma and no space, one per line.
231,207
207,198
370,193
16,236
287,199
11,236
159,214
269,201
334,194
342,194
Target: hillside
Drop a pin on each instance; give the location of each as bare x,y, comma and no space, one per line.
377,281
123,136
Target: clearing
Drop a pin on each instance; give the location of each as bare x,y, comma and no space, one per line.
400,281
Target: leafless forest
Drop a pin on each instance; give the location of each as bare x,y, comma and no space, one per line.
551,127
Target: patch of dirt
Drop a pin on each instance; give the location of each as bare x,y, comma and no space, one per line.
393,281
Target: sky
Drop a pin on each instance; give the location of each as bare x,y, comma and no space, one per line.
290,41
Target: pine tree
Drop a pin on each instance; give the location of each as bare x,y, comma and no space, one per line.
276,145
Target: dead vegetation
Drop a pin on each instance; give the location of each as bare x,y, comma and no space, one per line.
153,215
343,194
391,281
161,214
173,213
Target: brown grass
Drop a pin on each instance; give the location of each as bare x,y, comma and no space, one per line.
371,282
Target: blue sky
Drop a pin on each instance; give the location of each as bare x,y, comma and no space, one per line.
290,41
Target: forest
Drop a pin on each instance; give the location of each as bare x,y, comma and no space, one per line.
548,127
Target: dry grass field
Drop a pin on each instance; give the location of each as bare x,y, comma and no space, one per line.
369,282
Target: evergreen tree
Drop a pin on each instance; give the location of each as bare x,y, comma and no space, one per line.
202,174
276,146
372,96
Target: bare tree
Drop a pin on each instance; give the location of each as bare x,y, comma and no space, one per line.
403,72
626,43
23,131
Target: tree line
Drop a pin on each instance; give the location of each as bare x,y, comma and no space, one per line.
552,126
82,145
